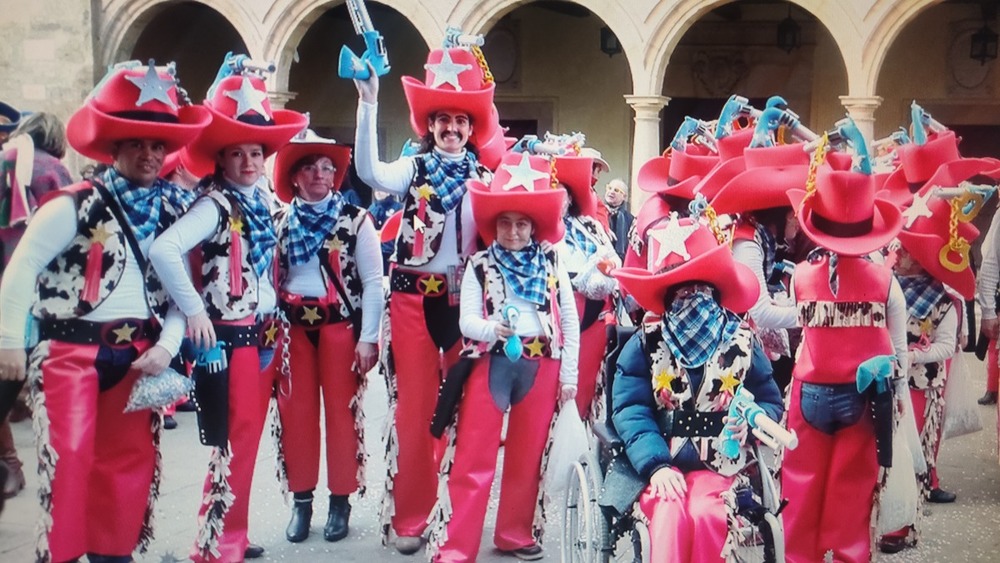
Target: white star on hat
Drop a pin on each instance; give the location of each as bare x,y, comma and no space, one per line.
671,239
248,98
918,208
152,87
523,175
447,71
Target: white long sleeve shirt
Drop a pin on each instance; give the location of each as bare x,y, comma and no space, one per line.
765,312
474,326
989,271
50,231
171,247
942,341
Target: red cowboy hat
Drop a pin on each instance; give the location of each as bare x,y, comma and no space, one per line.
732,146
675,174
454,81
302,145
492,150
770,173
935,163
391,227
241,113
715,180
576,173
694,254
134,103
522,183
925,235
845,214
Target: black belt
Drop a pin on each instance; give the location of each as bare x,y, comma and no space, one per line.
311,313
121,333
428,284
262,334
534,347
689,424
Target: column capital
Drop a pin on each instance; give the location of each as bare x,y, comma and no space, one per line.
861,103
279,98
646,105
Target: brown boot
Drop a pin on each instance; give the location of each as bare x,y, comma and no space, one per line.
15,477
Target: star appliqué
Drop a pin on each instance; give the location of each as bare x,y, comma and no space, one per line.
663,380
311,314
447,71
535,348
523,175
124,334
271,334
334,244
425,192
152,87
671,239
432,284
100,235
918,208
729,383
248,98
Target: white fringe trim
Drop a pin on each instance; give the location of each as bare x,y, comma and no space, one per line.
357,409
277,442
387,507
146,535
47,455
442,510
219,499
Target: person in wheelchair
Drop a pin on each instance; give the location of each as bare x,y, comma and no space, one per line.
675,380
520,355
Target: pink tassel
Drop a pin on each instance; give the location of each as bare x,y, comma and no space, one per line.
92,273
235,258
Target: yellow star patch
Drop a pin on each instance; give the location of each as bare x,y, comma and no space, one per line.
310,314
729,383
123,335
236,224
926,327
334,244
535,348
100,235
432,284
552,281
663,380
271,334
425,192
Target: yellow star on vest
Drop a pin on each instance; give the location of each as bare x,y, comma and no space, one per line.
926,326
663,380
729,383
334,244
552,281
124,334
535,348
425,192
100,235
432,284
236,224
271,334
310,314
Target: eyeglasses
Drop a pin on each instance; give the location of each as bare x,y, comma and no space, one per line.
312,168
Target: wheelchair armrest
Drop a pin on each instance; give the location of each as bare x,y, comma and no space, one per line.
607,436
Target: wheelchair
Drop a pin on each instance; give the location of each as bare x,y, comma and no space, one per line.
595,530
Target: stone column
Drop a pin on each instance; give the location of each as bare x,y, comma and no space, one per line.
645,140
279,99
862,111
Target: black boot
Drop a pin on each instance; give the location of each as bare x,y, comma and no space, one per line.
302,511
336,522
94,558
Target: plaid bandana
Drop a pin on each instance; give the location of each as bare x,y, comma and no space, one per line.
769,246
448,176
694,328
523,270
141,205
922,293
577,237
833,278
257,218
308,225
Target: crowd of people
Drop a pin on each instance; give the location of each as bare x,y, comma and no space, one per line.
482,285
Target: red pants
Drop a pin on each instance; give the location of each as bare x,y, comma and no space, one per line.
106,457
476,447
593,340
830,482
992,367
320,371
249,393
419,365
693,529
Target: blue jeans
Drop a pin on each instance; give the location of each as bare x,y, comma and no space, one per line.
829,408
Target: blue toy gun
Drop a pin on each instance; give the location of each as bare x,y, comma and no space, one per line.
513,348
694,130
874,377
774,117
239,65
845,134
921,122
350,65
743,408
564,141
453,37
531,144
737,107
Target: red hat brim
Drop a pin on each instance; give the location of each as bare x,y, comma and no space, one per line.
391,227
544,208
737,285
760,188
887,222
225,131
293,152
94,133
948,175
576,172
654,177
925,248
425,100
722,174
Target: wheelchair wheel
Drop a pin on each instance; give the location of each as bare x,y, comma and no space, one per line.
633,547
585,530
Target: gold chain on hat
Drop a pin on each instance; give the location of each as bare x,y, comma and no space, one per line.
956,243
553,176
481,59
818,158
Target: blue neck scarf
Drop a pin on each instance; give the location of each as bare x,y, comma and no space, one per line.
308,225
141,205
577,237
922,293
448,176
523,270
259,227
695,326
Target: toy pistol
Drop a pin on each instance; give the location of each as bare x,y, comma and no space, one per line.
352,66
453,37
922,121
239,65
531,144
695,130
744,408
513,348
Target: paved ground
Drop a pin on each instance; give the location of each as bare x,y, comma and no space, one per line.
965,531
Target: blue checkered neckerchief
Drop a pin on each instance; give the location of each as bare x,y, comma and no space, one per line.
308,225
577,236
523,270
141,205
695,326
832,277
770,247
922,293
260,228
448,176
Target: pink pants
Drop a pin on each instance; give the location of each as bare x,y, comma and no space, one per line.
593,341
693,529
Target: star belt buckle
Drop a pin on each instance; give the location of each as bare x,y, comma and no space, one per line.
311,316
121,334
268,335
534,348
431,285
